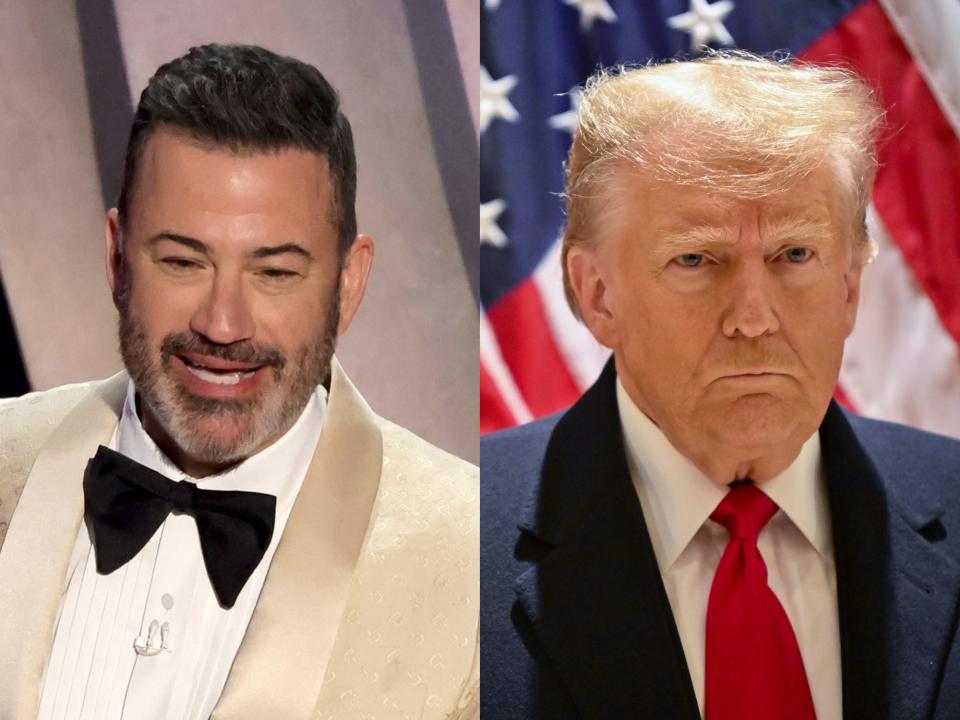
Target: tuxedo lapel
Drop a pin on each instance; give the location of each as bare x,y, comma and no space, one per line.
280,666
369,608
594,597
36,553
896,593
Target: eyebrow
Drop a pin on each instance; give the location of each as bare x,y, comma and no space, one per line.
192,243
795,227
801,227
692,238
264,252
260,253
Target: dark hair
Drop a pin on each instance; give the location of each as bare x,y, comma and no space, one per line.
247,98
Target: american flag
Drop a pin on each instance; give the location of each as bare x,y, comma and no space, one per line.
902,361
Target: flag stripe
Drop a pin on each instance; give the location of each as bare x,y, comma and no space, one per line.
520,325
502,388
883,374
930,30
496,415
916,189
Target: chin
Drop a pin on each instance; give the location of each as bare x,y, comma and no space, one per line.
216,442
758,422
217,432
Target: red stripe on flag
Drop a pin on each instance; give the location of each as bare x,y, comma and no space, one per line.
916,190
494,413
520,324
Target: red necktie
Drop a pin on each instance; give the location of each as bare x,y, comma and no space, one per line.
754,669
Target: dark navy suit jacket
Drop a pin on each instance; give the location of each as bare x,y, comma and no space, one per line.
575,621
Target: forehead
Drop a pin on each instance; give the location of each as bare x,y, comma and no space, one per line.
664,207
183,181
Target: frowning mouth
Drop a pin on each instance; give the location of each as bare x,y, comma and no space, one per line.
755,372
751,379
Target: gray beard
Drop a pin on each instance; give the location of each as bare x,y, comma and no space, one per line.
259,420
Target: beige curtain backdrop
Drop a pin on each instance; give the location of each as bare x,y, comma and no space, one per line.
413,348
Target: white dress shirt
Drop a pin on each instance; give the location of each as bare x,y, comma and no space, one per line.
796,545
94,672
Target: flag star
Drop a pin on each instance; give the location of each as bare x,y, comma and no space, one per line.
491,4
590,10
490,232
704,22
567,120
493,99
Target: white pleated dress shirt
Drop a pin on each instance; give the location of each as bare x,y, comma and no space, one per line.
796,544
94,672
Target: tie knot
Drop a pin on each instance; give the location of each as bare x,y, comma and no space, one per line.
744,511
181,495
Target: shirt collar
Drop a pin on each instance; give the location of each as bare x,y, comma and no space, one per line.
679,497
801,492
273,470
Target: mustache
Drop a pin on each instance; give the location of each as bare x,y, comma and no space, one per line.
751,359
244,351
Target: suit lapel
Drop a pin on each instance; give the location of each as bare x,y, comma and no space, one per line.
594,597
36,553
280,666
896,593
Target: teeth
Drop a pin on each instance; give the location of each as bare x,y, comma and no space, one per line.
220,378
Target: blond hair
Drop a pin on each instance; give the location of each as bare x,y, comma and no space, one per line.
731,122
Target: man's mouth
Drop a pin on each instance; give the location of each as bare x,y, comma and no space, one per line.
217,371
220,377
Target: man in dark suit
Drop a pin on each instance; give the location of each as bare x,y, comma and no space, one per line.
706,533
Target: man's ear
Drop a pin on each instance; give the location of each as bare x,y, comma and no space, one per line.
114,257
591,292
353,279
852,278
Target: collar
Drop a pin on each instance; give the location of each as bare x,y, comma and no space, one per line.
276,470
680,497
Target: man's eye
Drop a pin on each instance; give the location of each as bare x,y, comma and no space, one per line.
277,273
179,263
691,259
798,254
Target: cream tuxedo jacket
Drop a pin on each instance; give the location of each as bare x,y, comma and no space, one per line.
370,607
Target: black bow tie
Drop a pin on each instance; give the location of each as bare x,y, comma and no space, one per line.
126,503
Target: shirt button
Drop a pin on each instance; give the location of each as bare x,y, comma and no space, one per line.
167,601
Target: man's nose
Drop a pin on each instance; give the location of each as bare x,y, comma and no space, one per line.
224,316
751,308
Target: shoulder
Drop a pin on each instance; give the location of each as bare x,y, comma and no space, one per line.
26,423
911,460
35,411
512,461
517,450
402,445
898,440
420,479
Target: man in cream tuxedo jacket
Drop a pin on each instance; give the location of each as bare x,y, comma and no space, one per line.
232,289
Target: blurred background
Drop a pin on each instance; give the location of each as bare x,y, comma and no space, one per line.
70,74
901,362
